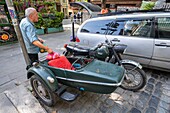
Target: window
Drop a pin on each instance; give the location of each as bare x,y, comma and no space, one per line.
164,27
96,27
116,28
142,28
131,27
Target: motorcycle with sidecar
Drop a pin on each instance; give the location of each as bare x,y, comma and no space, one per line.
110,52
85,74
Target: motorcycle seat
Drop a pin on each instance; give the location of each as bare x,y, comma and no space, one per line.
78,49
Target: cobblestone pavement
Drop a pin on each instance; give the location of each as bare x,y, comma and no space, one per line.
153,98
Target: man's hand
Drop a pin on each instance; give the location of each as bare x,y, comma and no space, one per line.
49,50
40,45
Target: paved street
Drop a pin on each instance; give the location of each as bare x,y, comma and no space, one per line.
154,98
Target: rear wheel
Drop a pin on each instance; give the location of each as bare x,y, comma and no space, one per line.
136,78
42,92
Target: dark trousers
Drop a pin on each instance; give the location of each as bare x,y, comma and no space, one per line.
33,58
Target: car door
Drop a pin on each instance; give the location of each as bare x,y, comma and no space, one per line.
136,33
161,53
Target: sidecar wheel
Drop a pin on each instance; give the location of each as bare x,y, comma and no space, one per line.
136,78
42,92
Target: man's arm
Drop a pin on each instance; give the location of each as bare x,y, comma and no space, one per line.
40,45
34,39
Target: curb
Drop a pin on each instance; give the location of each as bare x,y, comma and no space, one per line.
23,101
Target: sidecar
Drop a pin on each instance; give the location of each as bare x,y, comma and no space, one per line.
90,75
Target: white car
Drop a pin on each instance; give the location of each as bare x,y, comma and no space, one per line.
147,36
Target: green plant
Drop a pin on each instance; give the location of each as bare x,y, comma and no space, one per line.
147,5
53,20
40,22
16,3
48,3
49,17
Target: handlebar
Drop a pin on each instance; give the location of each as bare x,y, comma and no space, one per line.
96,47
107,43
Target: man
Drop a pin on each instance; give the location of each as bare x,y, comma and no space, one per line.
32,42
104,10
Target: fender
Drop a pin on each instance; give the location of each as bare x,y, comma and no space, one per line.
132,63
43,73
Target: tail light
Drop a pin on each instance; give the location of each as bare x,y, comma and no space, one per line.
65,45
77,39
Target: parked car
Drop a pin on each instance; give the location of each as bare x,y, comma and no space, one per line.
147,36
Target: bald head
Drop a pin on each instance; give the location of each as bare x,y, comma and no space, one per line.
29,11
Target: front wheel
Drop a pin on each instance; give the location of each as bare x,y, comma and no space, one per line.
135,78
42,92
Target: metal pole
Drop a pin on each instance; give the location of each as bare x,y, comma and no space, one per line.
14,19
74,39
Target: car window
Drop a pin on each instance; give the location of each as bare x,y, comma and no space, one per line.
141,28
164,27
96,27
132,27
116,28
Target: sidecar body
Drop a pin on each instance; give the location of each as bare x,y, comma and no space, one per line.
94,76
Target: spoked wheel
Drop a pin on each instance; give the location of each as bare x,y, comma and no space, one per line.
42,92
135,78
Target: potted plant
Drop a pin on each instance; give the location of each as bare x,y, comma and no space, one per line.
60,15
39,25
54,22
49,19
